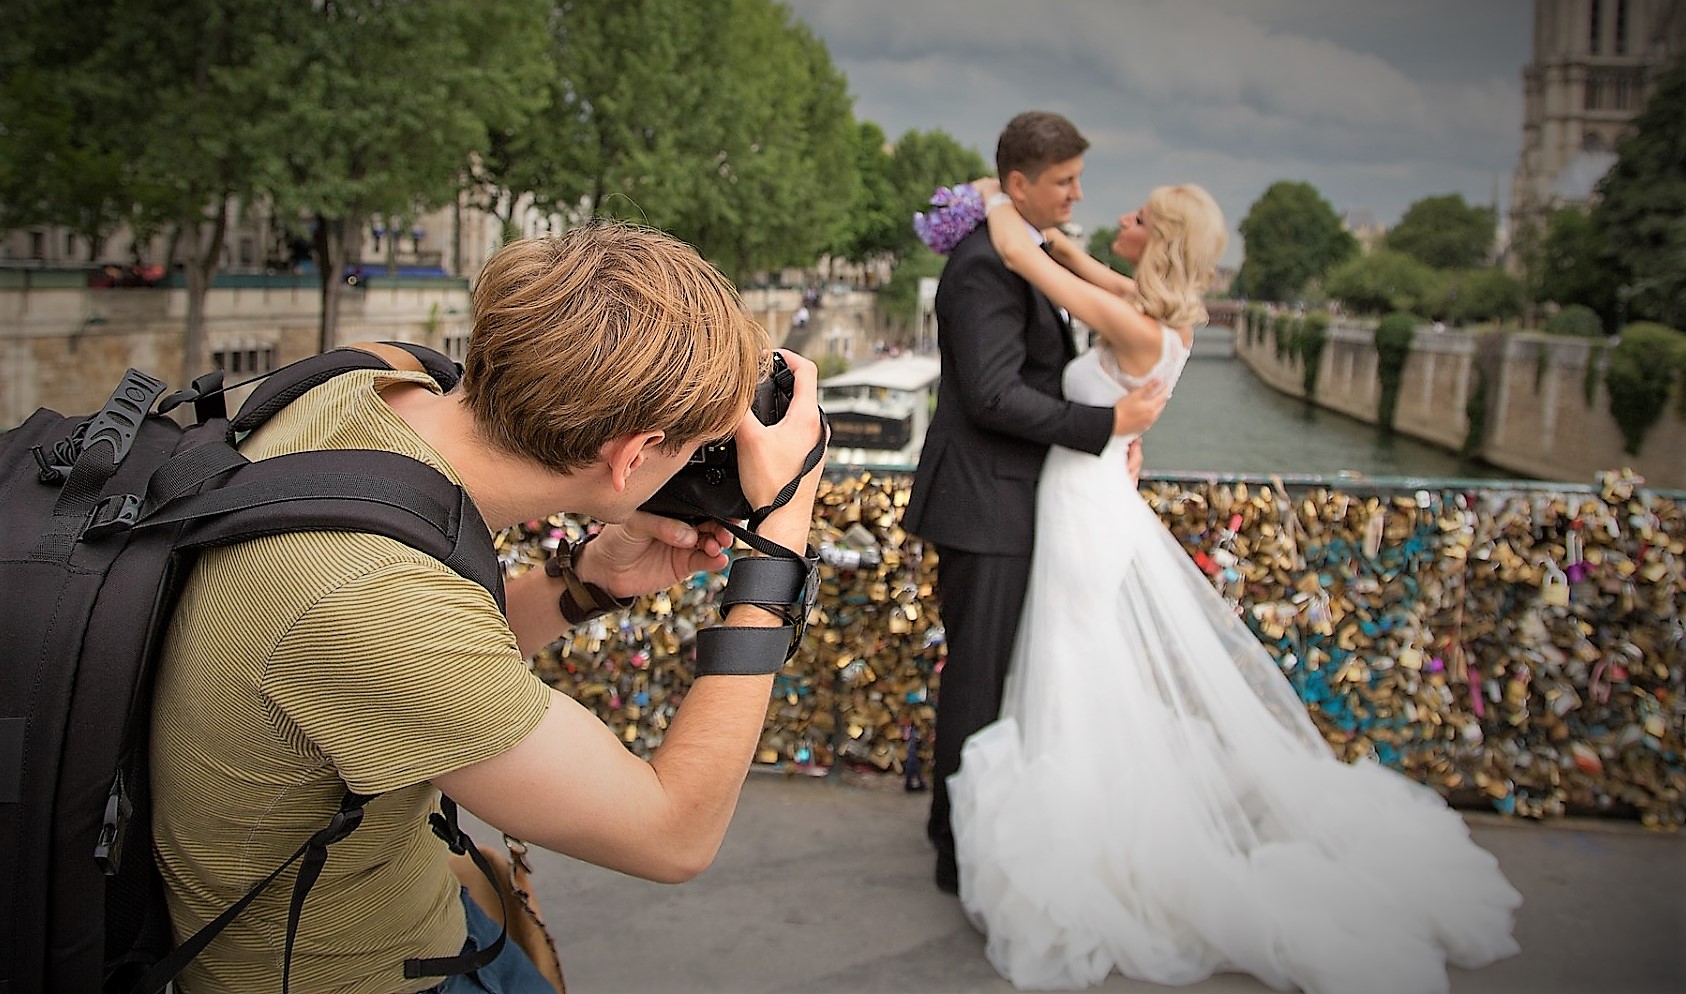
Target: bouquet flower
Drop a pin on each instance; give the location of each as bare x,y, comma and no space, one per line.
956,211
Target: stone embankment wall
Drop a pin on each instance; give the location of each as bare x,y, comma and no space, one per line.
65,347
1538,419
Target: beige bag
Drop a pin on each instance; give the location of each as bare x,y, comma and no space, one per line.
520,908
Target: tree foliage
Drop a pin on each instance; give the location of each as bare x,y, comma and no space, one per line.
1291,235
1489,294
1100,246
874,225
1445,233
1384,281
1642,371
385,103
1575,265
62,159
1575,321
1642,205
923,161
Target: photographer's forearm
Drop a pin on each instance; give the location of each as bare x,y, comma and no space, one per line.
530,605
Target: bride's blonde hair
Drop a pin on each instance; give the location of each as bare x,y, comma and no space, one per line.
1186,237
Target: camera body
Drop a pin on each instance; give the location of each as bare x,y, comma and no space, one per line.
707,488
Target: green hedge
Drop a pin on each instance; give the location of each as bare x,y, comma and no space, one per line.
1393,348
1577,320
1643,368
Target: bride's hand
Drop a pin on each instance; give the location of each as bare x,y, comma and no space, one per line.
1134,461
1060,245
987,186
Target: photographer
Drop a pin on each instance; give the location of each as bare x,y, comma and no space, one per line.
302,664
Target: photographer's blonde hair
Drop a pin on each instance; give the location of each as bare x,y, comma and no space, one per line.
1186,237
606,330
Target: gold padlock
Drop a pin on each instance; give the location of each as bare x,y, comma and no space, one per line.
1554,587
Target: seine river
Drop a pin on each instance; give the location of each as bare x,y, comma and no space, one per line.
1222,419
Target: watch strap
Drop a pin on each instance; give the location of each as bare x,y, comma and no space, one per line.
580,601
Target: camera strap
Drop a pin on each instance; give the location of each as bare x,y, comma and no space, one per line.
746,531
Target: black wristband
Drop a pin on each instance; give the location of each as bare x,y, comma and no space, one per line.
785,586
580,601
743,651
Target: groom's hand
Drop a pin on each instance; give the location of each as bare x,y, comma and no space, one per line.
1137,410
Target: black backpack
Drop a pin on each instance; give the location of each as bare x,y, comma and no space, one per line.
103,518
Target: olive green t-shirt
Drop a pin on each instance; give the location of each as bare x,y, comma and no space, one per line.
296,665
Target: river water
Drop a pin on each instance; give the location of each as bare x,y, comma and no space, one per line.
1223,419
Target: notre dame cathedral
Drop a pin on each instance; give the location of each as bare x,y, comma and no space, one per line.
1593,66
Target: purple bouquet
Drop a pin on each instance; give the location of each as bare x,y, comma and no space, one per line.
956,211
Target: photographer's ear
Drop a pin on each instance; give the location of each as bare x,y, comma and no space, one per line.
623,455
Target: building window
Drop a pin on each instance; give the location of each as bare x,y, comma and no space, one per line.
1594,93
70,245
456,347
1624,94
1621,27
241,361
1595,27
38,245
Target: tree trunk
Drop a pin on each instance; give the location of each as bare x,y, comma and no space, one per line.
330,260
204,240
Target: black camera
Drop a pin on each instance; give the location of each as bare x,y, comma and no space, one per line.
707,488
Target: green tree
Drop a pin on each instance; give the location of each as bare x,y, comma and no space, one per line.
1445,233
1384,281
1575,321
198,94
923,161
385,105
1481,295
874,225
1642,370
898,299
1100,246
1291,235
1575,264
1642,205
61,157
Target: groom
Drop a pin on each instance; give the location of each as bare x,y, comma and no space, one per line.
999,408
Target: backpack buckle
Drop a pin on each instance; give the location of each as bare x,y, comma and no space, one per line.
114,828
116,513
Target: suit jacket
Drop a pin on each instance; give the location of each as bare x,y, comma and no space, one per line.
1004,347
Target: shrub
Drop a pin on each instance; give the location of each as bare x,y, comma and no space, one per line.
1577,320
1314,334
1284,331
1393,348
1642,369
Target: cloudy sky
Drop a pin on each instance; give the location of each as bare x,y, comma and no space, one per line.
1376,103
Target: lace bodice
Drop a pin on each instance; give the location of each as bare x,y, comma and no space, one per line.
1094,377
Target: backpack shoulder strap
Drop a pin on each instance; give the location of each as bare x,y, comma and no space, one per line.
354,490
291,381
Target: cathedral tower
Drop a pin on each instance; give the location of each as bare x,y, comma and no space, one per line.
1593,66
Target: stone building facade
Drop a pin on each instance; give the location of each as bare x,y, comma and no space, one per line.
1594,64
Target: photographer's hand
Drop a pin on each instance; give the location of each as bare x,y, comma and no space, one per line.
770,456
650,553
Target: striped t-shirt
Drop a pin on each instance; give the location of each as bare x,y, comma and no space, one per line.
298,664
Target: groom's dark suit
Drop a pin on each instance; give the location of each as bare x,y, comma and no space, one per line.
1004,346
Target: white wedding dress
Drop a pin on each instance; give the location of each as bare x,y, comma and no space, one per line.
1154,798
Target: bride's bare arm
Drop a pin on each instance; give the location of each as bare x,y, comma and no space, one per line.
1067,253
1127,330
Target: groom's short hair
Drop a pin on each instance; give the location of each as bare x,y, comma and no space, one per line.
1035,140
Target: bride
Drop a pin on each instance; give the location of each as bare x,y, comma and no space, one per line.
1154,798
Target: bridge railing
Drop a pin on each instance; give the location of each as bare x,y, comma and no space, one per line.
1422,622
